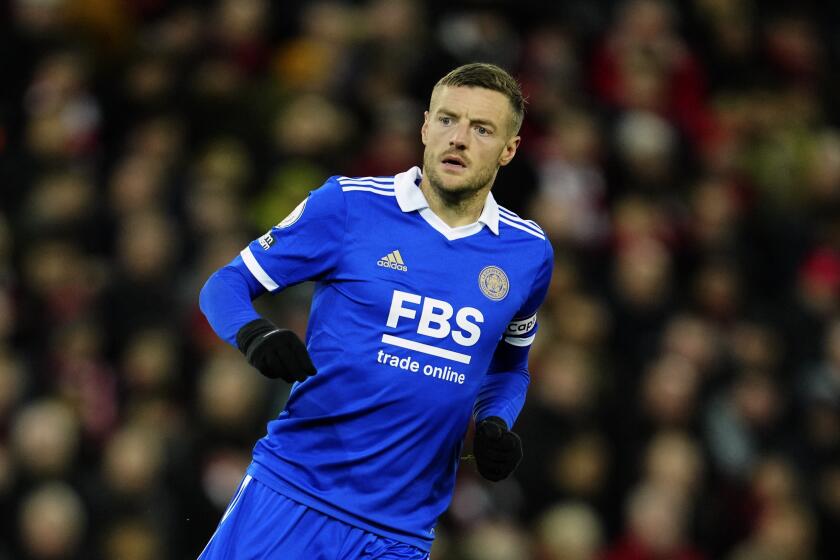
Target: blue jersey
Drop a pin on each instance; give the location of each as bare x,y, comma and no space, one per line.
414,327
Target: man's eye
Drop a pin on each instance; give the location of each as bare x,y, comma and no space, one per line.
482,130
445,120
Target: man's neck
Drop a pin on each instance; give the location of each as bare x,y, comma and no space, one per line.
454,212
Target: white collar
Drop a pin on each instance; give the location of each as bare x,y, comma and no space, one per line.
411,198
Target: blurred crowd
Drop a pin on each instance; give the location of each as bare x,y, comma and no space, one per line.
683,156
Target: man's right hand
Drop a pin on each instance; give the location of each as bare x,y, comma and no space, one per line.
274,352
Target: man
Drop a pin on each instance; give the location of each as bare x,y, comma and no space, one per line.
423,311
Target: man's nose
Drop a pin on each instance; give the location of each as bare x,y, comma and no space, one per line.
460,136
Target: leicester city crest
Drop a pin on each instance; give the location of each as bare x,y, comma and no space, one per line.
493,282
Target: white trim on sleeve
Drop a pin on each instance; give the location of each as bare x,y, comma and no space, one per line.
520,341
258,272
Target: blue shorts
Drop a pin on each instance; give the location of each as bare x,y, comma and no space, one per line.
261,524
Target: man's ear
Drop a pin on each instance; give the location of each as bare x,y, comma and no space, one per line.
509,150
424,130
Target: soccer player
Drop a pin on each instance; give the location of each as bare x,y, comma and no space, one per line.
425,301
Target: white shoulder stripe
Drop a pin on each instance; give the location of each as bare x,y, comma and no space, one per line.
511,213
257,270
513,217
520,341
384,180
533,227
370,189
520,227
368,184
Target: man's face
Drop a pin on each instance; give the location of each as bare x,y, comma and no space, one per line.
468,134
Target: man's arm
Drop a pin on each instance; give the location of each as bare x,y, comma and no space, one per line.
503,392
304,246
226,299
498,450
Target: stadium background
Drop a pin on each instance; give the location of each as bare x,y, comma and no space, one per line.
683,156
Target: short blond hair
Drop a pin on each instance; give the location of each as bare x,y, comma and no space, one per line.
492,77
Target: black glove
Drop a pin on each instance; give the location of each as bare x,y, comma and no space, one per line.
497,450
274,352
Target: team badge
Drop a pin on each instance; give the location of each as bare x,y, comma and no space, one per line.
493,282
294,216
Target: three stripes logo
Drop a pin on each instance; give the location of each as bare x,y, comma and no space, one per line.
393,260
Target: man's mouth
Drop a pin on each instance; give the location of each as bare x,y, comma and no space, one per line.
454,161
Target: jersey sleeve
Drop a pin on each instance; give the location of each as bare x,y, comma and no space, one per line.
522,329
503,392
226,299
306,245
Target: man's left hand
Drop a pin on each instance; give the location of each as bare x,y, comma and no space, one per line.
497,450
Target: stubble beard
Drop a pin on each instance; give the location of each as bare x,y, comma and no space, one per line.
460,194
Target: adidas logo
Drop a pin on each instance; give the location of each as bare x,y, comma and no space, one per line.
393,260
